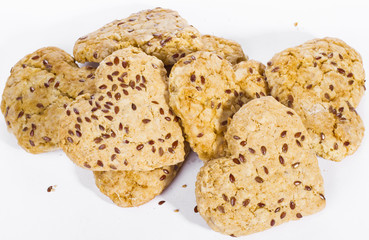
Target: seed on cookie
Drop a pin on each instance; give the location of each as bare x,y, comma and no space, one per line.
281,159
261,205
117,96
292,205
246,202
231,178
285,148
295,165
221,209
236,161
283,134
296,183
259,179
263,150
232,201
272,222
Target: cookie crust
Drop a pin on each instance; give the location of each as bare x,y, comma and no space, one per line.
127,124
228,49
40,86
134,188
271,177
205,92
158,32
323,81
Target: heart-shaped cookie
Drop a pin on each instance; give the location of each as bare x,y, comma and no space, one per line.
270,177
39,88
127,125
323,80
205,91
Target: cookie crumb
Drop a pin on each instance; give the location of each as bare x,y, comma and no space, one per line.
295,24
51,188
161,202
176,210
184,185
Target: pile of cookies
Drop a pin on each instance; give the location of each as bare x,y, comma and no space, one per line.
161,88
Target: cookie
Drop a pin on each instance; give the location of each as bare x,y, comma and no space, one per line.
250,77
228,49
335,128
323,81
127,124
204,95
271,177
134,188
40,86
158,32
205,91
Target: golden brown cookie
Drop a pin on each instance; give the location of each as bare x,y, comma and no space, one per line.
323,81
134,188
271,176
158,32
228,49
204,95
40,87
250,76
205,91
127,125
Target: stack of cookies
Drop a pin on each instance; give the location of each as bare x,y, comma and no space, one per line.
161,88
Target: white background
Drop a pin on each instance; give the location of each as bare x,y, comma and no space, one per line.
77,210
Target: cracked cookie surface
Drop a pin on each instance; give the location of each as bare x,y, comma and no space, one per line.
134,188
228,49
127,124
204,95
40,86
158,32
271,176
204,92
323,81
250,76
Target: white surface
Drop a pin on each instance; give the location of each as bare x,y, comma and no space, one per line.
77,210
